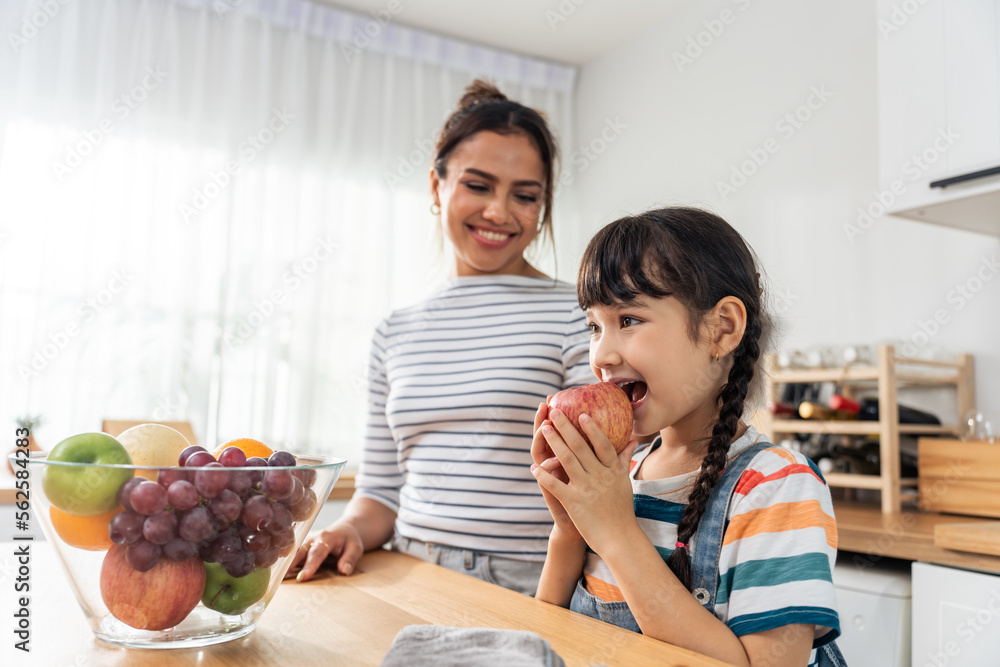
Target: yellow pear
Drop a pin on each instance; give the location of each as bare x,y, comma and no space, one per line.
153,444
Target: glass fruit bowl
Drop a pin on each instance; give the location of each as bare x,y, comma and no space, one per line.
157,564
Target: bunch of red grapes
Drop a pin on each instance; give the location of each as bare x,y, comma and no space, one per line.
221,513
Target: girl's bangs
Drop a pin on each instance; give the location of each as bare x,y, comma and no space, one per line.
620,265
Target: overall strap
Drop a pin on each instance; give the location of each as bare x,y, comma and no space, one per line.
711,528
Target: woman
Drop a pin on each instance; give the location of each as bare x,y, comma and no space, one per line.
455,380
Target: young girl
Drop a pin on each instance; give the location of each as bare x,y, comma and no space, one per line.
674,304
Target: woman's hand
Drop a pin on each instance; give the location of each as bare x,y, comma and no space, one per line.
591,488
341,541
543,456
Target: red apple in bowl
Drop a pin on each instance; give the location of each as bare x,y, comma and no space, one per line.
606,403
156,599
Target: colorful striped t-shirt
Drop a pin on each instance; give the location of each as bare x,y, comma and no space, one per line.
778,549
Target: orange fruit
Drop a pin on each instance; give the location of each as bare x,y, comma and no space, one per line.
249,446
83,532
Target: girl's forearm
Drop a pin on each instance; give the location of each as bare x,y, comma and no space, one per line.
563,567
663,607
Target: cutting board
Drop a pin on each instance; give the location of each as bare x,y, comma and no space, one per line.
981,537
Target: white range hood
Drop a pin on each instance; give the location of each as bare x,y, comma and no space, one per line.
973,205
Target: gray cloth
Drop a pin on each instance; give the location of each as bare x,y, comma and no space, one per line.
443,646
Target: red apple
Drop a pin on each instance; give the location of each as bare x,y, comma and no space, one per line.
156,599
605,402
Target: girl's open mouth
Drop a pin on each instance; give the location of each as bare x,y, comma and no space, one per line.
636,390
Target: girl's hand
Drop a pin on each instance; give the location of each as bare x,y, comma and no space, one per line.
543,456
593,490
540,450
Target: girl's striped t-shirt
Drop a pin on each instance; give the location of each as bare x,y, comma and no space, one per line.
778,549
454,383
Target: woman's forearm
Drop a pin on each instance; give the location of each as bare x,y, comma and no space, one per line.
563,566
371,519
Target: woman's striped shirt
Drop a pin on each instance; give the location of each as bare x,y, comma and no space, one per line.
778,549
454,383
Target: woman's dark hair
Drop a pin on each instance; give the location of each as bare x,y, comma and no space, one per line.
697,258
484,108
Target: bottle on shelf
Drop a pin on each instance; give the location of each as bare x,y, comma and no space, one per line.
867,410
811,410
866,458
782,409
864,462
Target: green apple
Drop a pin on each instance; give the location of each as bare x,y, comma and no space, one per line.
86,489
231,595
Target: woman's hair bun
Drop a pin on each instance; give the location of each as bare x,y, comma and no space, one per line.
480,91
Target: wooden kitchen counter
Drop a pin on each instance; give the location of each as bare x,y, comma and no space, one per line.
864,529
332,620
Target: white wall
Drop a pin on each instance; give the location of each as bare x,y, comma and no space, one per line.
686,129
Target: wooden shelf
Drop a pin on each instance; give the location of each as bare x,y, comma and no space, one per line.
855,481
854,427
890,373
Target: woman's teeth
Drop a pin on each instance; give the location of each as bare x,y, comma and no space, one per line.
492,236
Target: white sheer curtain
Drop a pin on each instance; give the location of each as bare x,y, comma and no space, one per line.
206,206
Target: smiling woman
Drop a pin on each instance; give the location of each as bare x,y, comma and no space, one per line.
454,380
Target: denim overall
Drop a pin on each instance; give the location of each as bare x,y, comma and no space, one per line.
707,547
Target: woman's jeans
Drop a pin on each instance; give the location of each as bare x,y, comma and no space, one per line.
517,575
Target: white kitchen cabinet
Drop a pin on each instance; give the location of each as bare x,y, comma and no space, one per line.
972,94
873,603
956,617
939,109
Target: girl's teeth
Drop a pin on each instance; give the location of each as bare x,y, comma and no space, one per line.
491,236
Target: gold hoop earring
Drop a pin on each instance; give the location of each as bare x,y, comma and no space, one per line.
435,209
716,355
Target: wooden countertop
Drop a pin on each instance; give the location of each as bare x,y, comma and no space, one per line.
334,620
863,528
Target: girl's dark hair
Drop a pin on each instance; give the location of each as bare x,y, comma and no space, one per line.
484,107
697,258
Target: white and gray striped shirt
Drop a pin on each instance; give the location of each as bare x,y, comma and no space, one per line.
454,383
